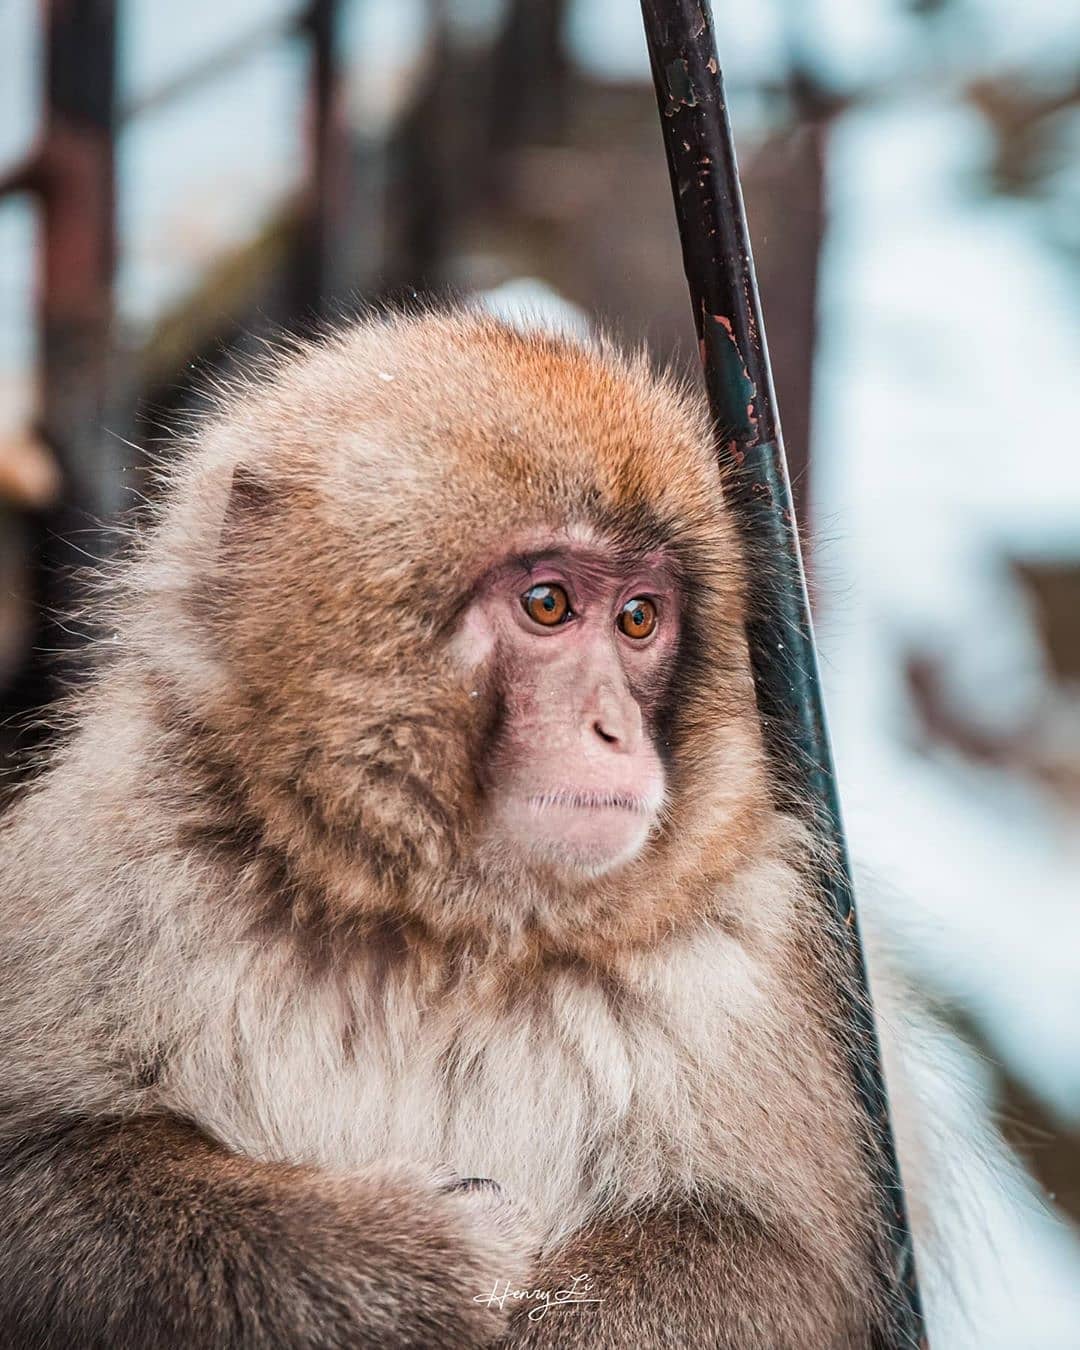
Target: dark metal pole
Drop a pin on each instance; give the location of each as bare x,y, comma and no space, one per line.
79,253
528,103
73,173
321,270
727,313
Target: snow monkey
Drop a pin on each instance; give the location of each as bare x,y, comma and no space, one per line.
403,948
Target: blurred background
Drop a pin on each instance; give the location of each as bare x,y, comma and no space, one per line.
177,180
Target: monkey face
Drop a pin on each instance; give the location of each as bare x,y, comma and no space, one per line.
581,645
455,626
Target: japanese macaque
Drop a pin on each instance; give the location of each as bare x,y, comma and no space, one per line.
405,927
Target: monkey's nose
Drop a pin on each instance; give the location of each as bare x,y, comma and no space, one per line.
616,721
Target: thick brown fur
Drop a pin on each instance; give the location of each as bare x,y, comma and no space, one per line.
256,985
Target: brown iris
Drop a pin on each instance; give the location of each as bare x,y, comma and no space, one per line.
637,618
547,605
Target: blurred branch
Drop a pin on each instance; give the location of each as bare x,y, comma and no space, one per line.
1035,750
1022,116
223,60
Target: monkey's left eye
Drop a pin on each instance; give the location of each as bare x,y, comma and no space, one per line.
637,618
547,605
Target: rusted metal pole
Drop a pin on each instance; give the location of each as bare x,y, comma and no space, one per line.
727,313
529,77
320,272
73,175
79,253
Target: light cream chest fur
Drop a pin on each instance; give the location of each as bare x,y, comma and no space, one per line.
572,1096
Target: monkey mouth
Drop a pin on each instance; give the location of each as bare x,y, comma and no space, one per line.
582,832
591,801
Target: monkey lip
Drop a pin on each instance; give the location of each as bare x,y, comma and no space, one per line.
585,832
591,801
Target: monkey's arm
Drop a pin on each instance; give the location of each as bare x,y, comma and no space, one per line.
146,1235
676,1280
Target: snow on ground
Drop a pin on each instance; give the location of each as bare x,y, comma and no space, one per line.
946,366
936,315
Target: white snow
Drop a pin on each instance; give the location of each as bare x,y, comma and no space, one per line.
946,378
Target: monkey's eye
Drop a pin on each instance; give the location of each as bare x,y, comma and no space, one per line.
547,605
637,618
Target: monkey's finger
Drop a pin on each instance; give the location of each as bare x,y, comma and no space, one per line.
475,1184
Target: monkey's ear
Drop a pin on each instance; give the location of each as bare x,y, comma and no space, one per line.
245,519
250,503
250,497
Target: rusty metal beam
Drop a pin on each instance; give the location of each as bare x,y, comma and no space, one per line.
326,195
73,175
727,312
529,76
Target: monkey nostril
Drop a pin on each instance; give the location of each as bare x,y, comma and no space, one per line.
605,735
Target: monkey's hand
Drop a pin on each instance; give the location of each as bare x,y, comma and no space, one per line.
671,1280
504,1224
146,1235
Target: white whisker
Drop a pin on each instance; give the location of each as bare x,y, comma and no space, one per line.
591,801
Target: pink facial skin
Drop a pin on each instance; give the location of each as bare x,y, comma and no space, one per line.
575,780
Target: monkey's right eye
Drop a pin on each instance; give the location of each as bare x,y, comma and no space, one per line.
546,605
